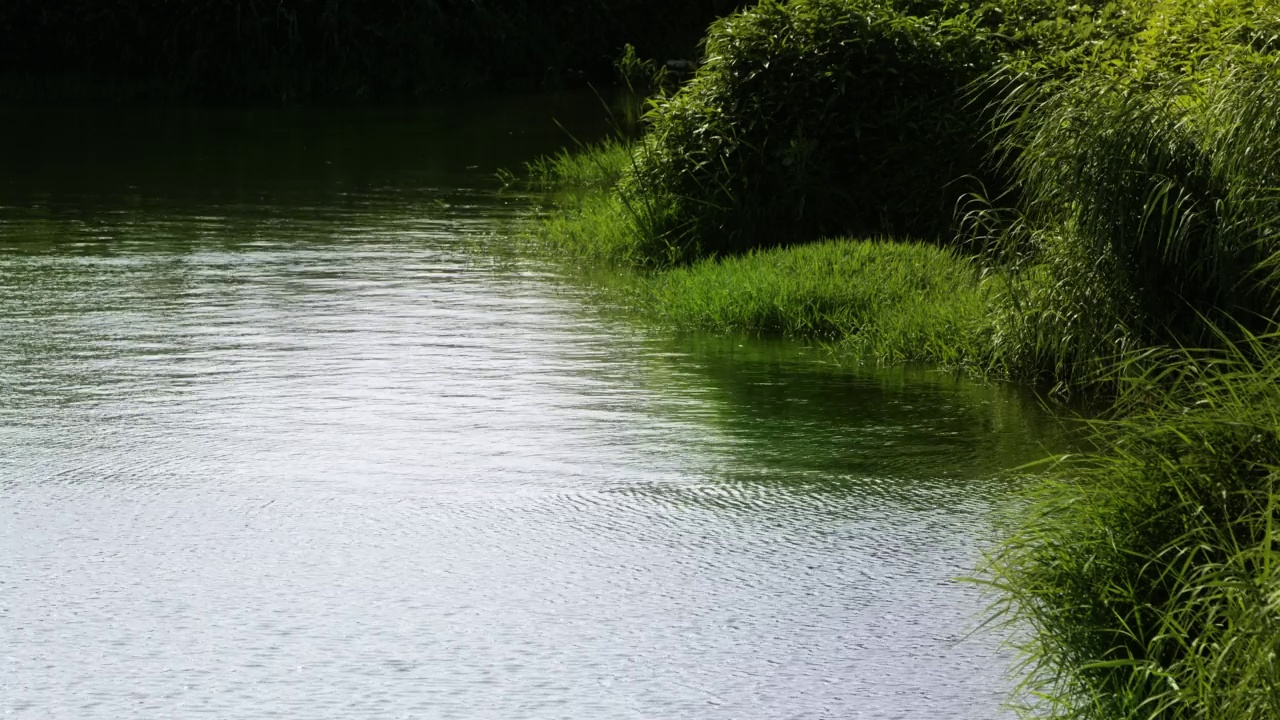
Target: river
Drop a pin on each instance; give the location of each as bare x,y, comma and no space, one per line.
287,431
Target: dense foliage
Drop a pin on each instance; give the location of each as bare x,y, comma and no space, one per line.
1146,203
813,117
216,49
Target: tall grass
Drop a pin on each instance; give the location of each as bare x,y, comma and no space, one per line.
1148,573
592,218
592,167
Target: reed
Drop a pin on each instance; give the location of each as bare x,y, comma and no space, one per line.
1148,204
1144,579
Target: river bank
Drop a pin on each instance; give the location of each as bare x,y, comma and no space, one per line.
1113,240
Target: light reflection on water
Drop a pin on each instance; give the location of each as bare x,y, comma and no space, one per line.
275,446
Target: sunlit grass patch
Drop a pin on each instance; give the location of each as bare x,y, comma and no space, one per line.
593,226
595,166
882,301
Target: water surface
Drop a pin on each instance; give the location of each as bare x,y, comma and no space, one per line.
282,436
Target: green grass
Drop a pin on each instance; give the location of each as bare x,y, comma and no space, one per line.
1147,201
595,215
591,167
876,301
1148,573
879,301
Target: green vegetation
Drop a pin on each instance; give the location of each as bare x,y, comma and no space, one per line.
811,118
1149,572
887,302
1146,204
1098,186
294,49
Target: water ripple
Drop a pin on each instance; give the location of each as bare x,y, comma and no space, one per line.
317,460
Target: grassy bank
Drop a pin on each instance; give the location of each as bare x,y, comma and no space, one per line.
1138,204
1121,207
879,301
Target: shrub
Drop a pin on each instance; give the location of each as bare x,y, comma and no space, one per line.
810,118
1148,203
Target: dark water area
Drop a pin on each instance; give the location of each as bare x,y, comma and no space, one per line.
285,432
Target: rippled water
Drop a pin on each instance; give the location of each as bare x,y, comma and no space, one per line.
282,436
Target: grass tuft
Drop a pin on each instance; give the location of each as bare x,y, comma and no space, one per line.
880,301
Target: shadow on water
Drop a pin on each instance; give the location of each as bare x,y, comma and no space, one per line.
105,160
782,419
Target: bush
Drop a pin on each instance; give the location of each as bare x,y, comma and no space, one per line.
811,118
1149,202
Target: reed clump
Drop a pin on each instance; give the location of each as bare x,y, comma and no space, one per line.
1148,208
1144,579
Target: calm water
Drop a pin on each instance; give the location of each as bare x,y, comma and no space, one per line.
282,436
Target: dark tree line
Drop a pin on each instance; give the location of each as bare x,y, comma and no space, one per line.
338,48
